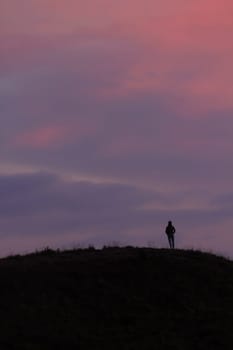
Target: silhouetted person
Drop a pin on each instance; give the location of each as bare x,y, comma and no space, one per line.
170,231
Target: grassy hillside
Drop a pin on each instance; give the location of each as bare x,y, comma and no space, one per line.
116,298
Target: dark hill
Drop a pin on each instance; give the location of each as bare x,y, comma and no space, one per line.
116,299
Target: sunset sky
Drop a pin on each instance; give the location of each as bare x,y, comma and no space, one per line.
116,116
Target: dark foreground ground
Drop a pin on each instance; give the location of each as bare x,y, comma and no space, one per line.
116,298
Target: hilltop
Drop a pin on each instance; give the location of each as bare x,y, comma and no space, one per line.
116,299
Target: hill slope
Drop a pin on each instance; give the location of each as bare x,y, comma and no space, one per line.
116,298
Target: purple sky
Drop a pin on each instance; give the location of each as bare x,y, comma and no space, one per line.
116,116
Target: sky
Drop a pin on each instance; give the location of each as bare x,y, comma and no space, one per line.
116,116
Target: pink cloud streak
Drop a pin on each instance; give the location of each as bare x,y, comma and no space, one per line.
43,137
54,136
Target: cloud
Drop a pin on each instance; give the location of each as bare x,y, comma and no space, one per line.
141,141
178,52
42,137
54,136
43,206
42,198
128,92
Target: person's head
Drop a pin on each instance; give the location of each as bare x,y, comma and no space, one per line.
169,222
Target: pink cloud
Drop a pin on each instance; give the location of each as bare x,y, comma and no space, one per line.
185,47
43,137
187,54
50,136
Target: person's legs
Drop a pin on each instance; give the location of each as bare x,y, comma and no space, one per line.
173,241
170,241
